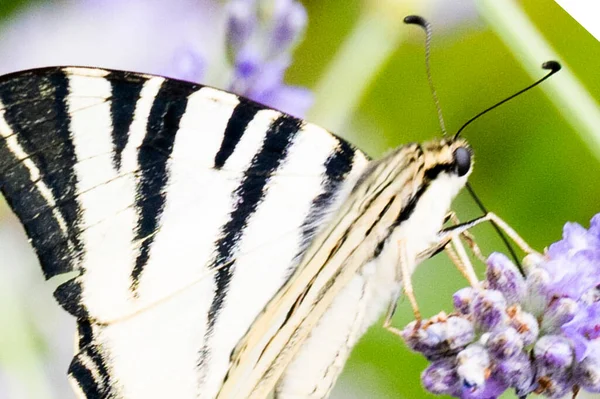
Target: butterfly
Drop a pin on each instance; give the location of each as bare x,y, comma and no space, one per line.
219,248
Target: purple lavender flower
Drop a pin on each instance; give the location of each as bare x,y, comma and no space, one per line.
534,333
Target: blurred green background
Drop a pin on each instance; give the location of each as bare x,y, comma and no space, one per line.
536,162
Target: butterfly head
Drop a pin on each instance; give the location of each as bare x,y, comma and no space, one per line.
450,157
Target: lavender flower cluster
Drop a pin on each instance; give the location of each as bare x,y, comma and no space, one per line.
536,333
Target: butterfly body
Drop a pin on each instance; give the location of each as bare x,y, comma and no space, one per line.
222,249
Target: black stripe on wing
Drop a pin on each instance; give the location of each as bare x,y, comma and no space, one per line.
337,167
163,123
125,93
35,109
242,115
248,196
89,368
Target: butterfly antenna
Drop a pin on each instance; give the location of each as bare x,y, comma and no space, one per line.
422,22
503,237
552,66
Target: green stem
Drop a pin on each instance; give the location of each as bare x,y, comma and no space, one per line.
530,48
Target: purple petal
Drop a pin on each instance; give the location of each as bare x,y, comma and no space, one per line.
574,275
99,34
187,65
595,226
575,239
494,387
584,327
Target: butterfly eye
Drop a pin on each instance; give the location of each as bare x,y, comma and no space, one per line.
462,160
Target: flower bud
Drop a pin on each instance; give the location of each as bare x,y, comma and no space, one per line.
587,372
560,311
489,309
518,372
537,285
473,364
463,300
504,343
525,324
503,275
438,338
440,377
553,355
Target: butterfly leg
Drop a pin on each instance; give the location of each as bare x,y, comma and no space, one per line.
510,232
466,236
404,268
458,255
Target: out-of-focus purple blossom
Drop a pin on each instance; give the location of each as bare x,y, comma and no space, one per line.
534,333
260,37
494,386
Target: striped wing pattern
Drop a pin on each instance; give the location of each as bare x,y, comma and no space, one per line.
183,209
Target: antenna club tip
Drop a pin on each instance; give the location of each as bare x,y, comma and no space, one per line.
416,20
553,66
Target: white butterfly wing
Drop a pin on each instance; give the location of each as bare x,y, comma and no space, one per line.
183,209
